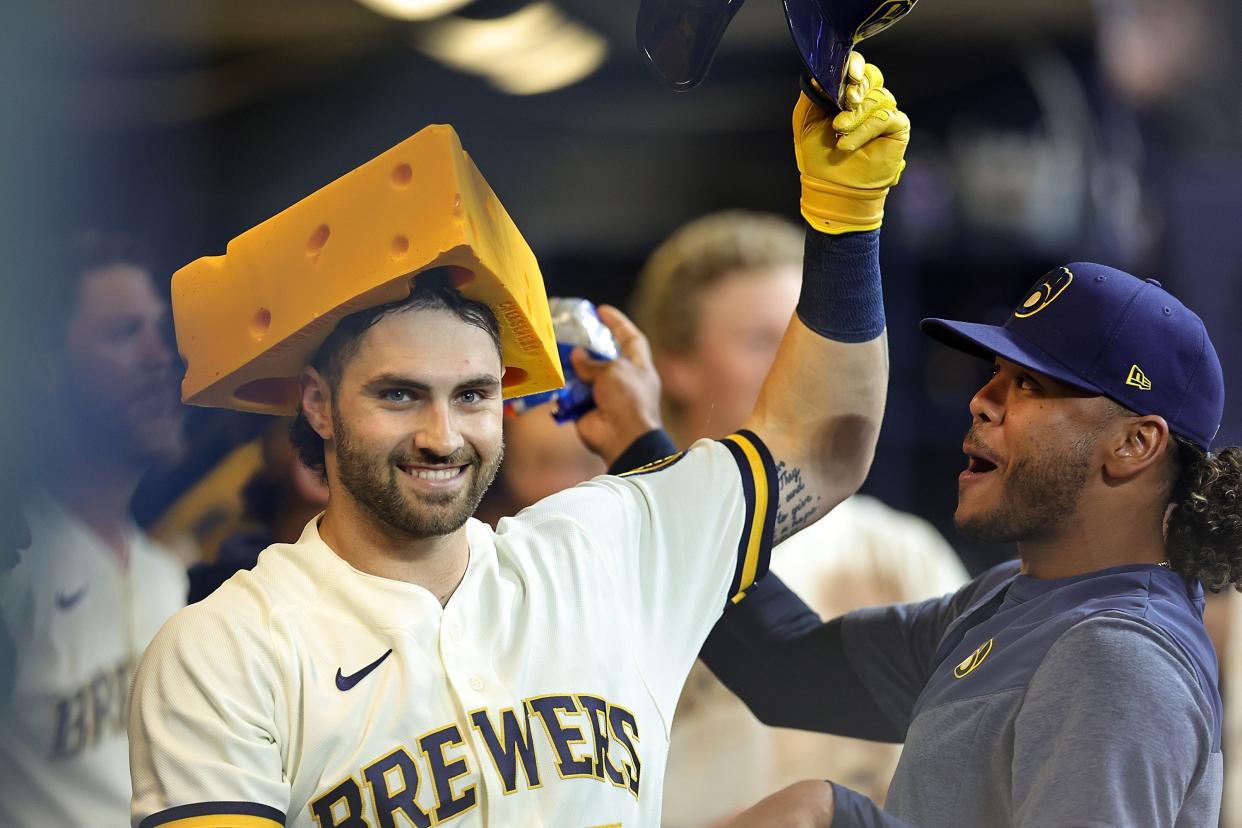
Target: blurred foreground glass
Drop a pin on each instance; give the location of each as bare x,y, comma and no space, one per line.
415,9
533,50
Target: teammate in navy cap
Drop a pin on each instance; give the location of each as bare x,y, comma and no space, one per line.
1076,686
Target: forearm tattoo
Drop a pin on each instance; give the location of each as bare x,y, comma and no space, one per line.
797,506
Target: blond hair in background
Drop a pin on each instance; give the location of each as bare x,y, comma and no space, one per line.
697,256
714,300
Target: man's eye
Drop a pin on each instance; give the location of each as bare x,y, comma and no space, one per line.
396,395
470,397
1027,384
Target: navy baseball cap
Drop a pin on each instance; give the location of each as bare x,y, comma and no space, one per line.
1109,333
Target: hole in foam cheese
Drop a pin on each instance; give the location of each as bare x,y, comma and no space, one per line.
314,245
400,246
248,321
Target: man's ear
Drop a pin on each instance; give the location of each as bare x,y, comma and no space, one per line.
681,380
317,402
1135,444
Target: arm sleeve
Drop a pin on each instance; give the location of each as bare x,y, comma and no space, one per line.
1114,730
859,675
851,809
651,447
893,648
682,536
791,669
203,738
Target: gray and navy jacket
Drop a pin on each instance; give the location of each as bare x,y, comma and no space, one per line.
1085,701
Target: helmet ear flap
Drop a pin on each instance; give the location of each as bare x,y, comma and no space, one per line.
826,30
678,38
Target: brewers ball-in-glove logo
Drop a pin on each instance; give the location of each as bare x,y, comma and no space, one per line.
971,662
1045,294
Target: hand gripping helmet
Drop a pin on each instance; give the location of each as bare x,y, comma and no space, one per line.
679,37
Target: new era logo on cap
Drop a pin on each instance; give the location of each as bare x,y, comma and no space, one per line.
1109,333
1138,379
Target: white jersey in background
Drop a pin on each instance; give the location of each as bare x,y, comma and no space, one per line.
309,694
80,619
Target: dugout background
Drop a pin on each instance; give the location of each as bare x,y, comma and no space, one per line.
1044,133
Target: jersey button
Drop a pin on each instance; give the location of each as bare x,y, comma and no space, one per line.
454,631
476,684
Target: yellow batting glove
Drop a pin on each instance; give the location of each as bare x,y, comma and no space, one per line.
849,162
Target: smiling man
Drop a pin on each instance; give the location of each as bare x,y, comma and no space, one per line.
1077,685
402,663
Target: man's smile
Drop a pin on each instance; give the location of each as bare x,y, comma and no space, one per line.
435,477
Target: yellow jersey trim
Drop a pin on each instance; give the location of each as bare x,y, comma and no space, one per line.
216,815
758,473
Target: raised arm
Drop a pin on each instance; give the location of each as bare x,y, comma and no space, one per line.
820,409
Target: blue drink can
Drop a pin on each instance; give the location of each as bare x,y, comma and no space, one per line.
577,325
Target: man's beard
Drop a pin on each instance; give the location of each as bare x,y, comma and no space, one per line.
373,482
113,431
108,438
1037,496
158,443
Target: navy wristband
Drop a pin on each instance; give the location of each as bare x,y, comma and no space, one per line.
841,297
652,446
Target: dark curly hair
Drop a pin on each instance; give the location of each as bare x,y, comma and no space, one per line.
1204,538
432,290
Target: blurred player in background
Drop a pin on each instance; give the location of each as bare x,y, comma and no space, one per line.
92,589
714,300
542,457
14,537
277,501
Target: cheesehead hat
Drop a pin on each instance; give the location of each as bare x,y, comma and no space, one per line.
247,322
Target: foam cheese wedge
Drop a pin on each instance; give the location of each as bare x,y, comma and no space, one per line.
248,321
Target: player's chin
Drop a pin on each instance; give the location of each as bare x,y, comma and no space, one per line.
160,443
971,515
443,518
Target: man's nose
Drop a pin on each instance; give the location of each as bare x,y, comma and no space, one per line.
987,405
438,433
154,351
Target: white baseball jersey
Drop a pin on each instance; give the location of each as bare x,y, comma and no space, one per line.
307,693
80,619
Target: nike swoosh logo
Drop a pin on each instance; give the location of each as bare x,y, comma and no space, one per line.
344,683
67,601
